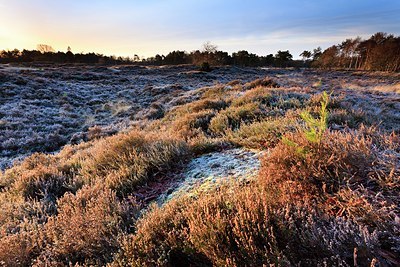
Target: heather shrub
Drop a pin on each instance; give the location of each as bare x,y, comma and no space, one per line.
213,104
288,102
272,101
263,82
393,88
331,163
156,111
196,106
244,226
38,176
70,159
44,173
193,124
232,117
192,119
338,171
42,182
335,101
219,124
95,132
30,163
125,161
349,118
21,247
205,66
262,95
216,92
235,83
203,144
85,229
21,228
262,134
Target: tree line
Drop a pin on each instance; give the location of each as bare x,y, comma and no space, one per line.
209,54
45,53
218,58
380,52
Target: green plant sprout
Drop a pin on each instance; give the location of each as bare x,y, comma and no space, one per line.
316,127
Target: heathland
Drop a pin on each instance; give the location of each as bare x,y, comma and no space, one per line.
124,165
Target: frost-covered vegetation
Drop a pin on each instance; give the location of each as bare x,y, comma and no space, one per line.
329,201
43,107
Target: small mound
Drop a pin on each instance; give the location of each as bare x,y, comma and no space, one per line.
208,171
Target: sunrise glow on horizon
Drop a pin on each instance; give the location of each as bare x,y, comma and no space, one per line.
146,28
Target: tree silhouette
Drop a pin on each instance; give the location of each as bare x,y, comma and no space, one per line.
44,48
176,57
306,55
244,58
316,53
208,47
283,57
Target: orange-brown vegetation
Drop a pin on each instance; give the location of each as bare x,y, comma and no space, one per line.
326,203
307,209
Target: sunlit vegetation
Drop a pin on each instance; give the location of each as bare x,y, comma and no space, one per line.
309,211
379,52
335,203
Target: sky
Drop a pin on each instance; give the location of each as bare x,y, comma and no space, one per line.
149,27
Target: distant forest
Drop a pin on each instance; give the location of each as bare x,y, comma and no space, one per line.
381,52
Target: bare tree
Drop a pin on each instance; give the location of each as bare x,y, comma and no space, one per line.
44,48
207,54
208,47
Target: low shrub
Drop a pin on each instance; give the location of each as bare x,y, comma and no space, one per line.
232,117
205,66
21,228
338,172
349,118
22,247
261,135
244,226
215,92
86,228
263,82
203,144
195,107
125,161
38,177
193,124
155,112
335,101
258,94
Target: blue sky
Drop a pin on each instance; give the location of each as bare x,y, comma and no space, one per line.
148,27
